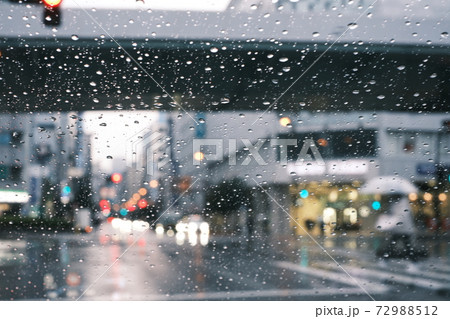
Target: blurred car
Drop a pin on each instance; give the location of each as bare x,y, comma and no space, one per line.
192,228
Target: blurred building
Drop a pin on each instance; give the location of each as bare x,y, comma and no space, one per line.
14,158
316,174
45,158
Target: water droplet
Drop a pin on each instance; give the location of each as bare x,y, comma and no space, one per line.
286,69
283,59
444,35
380,97
201,120
214,50
74,37
352,26
432,76
315,34
401,67
93,84
102,124
109,157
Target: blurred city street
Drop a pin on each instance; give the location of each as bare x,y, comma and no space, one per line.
104,265
225,150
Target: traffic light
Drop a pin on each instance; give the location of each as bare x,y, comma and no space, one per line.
123,212
116,178
66,191
105,205
52,3
376,205
142,204
304,193
52,14
66,194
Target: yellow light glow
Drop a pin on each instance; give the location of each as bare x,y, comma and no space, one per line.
442,197
285,121
142,192
199,156
329,215
427,197
412,197
52,3
333,196
351,214
353,195
322,142
136,196
154,183
364,211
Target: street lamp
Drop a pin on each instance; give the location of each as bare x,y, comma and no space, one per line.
285,121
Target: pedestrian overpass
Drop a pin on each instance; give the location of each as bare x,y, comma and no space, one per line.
126,55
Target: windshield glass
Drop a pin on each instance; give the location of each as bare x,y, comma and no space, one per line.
224,150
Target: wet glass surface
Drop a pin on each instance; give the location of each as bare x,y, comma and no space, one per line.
224,150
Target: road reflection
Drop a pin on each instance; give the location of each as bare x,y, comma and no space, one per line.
132,262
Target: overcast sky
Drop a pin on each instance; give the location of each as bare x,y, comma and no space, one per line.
112,135
183,5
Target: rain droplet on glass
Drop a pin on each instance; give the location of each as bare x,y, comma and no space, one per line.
352,26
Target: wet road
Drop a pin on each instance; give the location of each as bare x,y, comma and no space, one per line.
112,264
